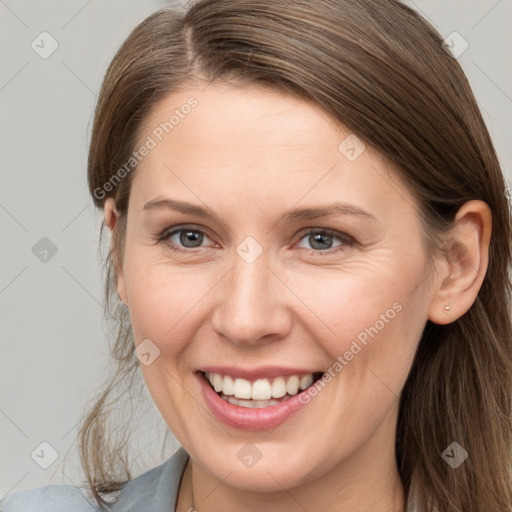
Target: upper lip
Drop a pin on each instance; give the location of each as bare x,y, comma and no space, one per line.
262,372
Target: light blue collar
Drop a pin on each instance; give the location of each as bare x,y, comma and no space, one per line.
156,489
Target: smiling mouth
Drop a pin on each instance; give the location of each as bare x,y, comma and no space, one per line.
261,392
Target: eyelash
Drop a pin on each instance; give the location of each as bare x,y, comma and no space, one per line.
346,240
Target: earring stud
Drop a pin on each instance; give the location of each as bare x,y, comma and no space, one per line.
447,308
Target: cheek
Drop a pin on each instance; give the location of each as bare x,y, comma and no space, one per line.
164,300
345,305
368,320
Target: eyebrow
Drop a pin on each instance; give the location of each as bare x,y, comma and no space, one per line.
294,214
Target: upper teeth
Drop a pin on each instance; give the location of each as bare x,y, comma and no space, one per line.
261,389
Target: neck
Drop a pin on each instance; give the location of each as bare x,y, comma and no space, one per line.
388,497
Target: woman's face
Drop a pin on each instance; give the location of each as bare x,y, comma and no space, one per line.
300,251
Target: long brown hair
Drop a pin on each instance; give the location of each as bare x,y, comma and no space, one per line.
379,68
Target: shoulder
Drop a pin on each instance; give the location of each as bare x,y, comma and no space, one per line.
57,498
154,490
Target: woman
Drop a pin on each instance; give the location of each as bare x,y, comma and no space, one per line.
312,243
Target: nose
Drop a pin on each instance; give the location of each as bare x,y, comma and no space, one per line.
251,304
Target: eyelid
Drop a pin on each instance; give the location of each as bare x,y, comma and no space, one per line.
183,227
343,237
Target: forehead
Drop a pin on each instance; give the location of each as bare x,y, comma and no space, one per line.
256,117
256,144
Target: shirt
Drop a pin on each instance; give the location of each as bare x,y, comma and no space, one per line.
155,490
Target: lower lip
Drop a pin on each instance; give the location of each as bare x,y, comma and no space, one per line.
245,418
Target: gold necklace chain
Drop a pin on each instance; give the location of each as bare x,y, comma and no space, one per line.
192,491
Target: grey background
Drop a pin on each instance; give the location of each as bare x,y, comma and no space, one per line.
54,355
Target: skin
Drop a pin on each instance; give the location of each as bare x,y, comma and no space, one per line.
251,154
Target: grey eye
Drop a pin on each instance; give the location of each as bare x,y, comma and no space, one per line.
319,241
189,238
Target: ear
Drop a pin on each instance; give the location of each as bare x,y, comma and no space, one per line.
463,265
111,221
